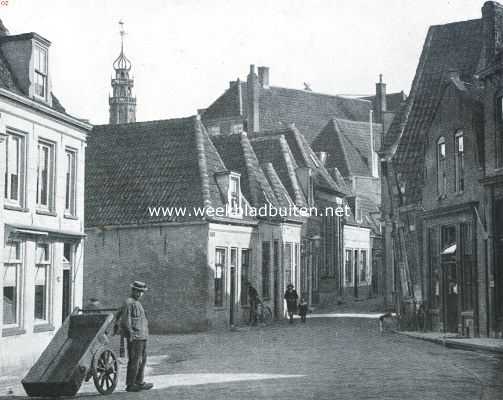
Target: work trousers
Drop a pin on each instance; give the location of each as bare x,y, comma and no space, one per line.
137,359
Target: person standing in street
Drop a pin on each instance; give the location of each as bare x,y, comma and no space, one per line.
254,300
291,297
134,327
303,307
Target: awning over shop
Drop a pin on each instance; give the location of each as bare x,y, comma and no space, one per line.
37,231
449,250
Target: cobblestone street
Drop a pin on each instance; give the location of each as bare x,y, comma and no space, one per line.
328,358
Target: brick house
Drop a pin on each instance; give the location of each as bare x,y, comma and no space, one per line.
41,203
440,160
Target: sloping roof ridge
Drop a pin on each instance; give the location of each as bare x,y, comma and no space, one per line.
253,182
301,143
338,96
149,122
352,121
448,24
290,165
338,135
202,163
275,182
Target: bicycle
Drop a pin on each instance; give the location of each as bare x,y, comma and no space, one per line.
264,313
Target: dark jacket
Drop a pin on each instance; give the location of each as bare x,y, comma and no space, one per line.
133,321
291,300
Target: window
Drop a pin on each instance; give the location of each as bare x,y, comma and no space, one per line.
236,129
13,262
14,170
234,197
460,161
245,275
287,262
266,259
45,175
214,130
363,265
70,185
348,266
219,276
42,267
441,170
40,66
296,264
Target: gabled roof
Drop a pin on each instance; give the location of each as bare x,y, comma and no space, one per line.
279,107
456,46
167,163
238,155
287,149
348,146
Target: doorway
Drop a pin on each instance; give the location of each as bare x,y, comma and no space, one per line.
450,286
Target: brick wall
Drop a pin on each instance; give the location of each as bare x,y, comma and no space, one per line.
177,278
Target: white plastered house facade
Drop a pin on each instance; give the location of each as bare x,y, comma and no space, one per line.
42,154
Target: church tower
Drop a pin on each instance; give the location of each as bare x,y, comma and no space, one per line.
122,103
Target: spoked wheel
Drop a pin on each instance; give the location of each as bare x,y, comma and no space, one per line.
105,371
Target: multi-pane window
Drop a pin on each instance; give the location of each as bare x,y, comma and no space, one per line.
13,262
45,175
40,66
288,264
42,270
234,194
14,171
441,168
245,275
363,265
70,184
266,268
460,161
348,266
219,276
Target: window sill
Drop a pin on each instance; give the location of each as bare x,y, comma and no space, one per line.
43,328
12,331
47,212
70,216
15,208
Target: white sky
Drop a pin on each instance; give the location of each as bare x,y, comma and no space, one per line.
184,53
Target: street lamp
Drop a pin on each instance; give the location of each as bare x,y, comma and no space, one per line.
315,244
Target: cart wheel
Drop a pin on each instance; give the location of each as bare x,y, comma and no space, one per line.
105,371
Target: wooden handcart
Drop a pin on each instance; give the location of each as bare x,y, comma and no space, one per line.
79,351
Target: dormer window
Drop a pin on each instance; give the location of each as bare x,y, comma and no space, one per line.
234,195
40,71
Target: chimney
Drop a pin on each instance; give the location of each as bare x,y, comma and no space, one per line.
253,92
380,101
492,30
322,156
452,74
263,77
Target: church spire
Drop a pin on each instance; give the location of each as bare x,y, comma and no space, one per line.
122,103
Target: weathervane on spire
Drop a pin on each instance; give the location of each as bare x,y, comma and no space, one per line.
122,62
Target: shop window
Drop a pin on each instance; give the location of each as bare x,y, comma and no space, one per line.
363,266
287,262
348,266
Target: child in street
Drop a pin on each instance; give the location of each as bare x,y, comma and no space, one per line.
303,308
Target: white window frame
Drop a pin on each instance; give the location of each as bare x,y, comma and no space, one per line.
19,202
233,211
41,71
19,263
71,182
50,175
47,264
